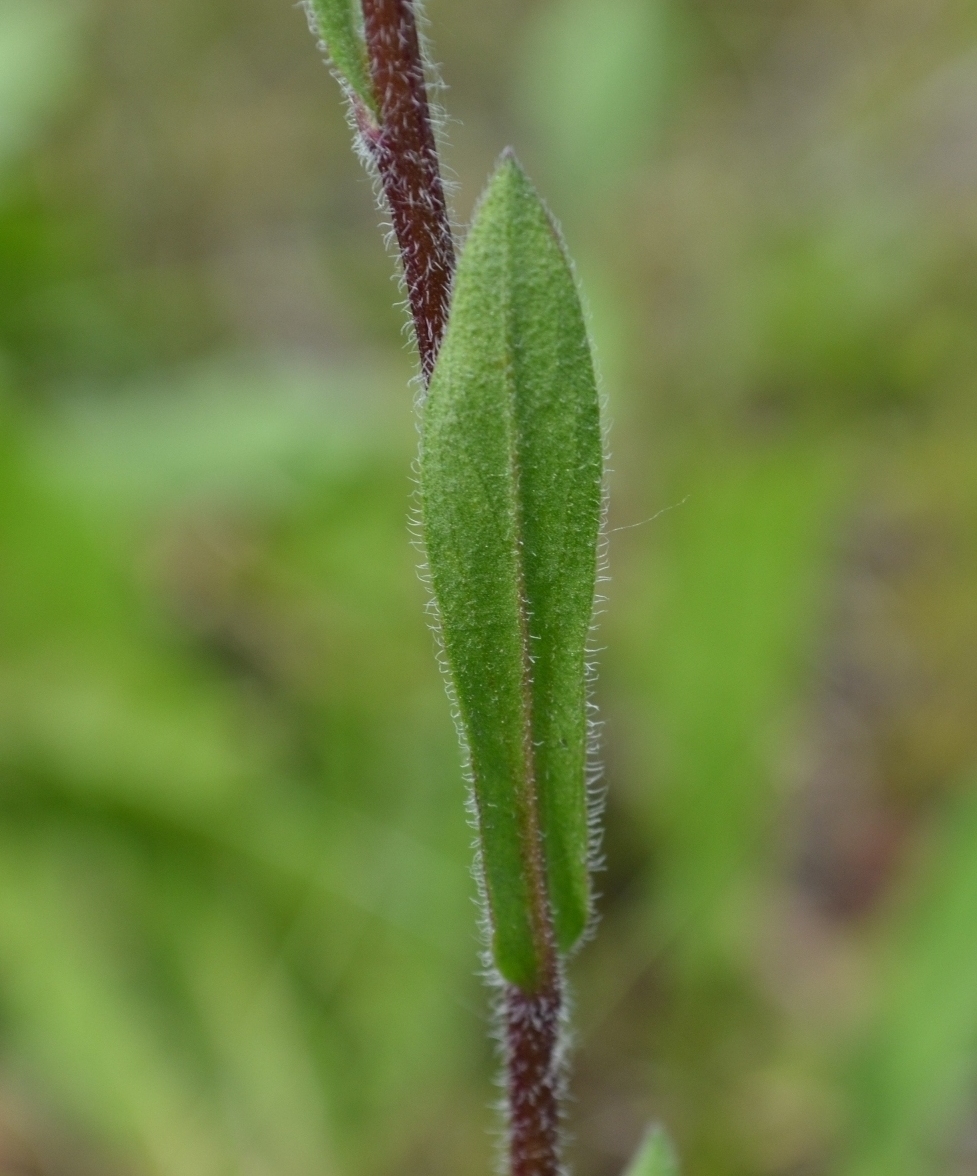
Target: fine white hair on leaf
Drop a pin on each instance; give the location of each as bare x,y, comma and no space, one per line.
484,919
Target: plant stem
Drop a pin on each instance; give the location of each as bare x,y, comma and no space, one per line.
404,150
533,1072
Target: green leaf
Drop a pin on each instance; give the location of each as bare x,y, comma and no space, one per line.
336,24
655,1156
511,470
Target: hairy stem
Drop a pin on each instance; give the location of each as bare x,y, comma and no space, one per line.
532,1032
406,156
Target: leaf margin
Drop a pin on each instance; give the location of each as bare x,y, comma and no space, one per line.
564,832
334,23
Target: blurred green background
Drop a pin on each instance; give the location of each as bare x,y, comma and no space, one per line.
236,923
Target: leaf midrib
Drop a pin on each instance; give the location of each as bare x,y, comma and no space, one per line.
541,920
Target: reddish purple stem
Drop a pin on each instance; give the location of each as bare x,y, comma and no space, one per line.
533,1072
406,155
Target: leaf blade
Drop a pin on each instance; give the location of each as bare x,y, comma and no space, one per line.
655,1155
511,471
335,22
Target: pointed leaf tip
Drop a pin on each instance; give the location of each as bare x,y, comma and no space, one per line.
655,1156
511,472
336,24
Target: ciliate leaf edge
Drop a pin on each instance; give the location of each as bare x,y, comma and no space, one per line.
511,476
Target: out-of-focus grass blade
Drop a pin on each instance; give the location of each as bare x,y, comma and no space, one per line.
655,1157
38,49
79,1026
912,1077
741,566
511,494
595,79
225,430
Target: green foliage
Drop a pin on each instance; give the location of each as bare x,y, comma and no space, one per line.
597,77
511,499
912,1074
655,1157
740,579
336,23
37,60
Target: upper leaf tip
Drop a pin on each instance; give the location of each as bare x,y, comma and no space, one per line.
509,161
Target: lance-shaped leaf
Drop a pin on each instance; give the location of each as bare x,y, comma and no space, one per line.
336,23
655,1156
511,470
